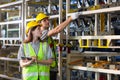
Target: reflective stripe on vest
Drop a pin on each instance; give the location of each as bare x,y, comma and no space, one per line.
35,74
32,71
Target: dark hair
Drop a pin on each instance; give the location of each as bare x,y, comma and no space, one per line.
30,35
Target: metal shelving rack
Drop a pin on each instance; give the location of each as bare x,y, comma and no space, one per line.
10,41
109,11
6,67
75,56
16,41
97,34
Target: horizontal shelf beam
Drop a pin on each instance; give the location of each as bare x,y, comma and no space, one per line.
12,4
9,59
88,53
96,70
10,38
13,30
12,44
30,19
51,17
104,47
7,77
11,22
96,37
54,16
105,10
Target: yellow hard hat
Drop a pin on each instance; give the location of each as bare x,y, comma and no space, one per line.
41,16
30,25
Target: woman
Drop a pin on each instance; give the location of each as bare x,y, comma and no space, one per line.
35,56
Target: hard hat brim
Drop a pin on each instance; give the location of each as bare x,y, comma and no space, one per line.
27,30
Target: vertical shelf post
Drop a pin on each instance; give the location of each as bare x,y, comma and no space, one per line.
97,73
67,36
108,30
109,19
23,18
96,21
60,41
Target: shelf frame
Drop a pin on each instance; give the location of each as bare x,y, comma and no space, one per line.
75,56
6,60
98,11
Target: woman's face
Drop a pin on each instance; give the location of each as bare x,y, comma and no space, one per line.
45,23
37,32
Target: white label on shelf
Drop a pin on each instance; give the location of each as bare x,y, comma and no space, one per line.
89,64
37,0
113,0
112,66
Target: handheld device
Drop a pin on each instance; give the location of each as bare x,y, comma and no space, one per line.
23,58
28,58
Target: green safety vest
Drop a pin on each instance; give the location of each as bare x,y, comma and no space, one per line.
52,42
33,71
